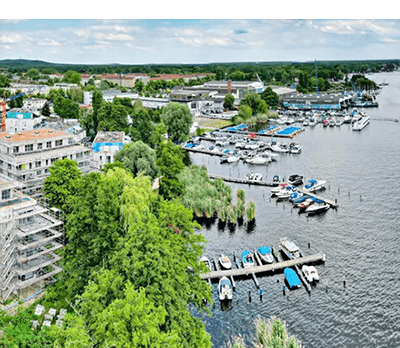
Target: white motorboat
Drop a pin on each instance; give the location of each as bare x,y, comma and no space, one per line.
312,122
314,185
254,176
265,254
225,289
295,148
232,159
339,122
240,145
319,206
290,249
277,189
257,160
286,192
282,120
361,124
279,148
247,259
289,121
225,262
347,119
310,273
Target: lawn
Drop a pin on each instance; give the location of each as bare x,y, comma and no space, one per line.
213,123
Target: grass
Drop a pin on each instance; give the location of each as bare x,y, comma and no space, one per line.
213,123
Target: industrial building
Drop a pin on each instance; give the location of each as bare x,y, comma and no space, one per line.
333,101
30,235
27,156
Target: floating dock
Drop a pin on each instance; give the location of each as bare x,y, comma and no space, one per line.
263,268
242,181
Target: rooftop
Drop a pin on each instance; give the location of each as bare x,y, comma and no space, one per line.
31,135
109,137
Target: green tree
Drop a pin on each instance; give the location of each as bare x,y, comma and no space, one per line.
112,117
4,82
141,121
170,164
178,120
229,101
65,108
61,184
33,73
46,109
138,157
270,97
254,101
72,77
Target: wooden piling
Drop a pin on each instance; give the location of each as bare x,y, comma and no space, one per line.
255,280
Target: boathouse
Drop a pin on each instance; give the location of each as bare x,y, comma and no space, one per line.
333,101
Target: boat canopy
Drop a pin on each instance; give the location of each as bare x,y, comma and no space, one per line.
292,277
289,245
264,250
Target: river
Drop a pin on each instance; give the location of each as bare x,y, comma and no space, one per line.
360,239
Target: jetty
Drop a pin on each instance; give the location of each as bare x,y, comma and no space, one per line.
241,181
263,268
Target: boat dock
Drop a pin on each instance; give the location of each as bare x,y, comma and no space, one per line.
241,181
260,268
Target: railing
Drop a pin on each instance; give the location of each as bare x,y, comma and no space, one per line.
8,293
7,255
8,231
8,268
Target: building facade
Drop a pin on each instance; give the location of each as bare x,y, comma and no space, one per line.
27,156
30,236
106,145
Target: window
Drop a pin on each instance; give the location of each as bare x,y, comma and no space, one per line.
40,146
15,149
54,159
48,145
19,167
30,165
59,142
47,162
6,194
38,172
38,164
29,147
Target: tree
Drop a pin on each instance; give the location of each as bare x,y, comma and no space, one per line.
112,117
229,101
33,73
72,77
170,164
270,97
254,101
4,82
62,184
178,120
141,121
138,157
65,108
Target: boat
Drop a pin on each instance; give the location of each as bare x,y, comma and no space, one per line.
206,261
257,160
339,122
279,148
312,122
292,278
286,192
225,262
294,148
233,158
305,204
278,188
300,200
276,180
225,289
289,249
347,119
295,195
314,185
247,259
310,273
254,176
319,206
361,124
265,254
331,121
295,179
306,123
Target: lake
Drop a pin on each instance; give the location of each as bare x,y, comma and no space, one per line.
360,238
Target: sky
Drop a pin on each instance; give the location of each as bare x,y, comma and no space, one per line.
90,40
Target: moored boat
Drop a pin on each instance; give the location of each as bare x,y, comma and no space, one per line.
225,262
206,261
292,278
247,259
314,185
225,289
295,179
310,273
265,254
300,200
289,249
319,206
361,124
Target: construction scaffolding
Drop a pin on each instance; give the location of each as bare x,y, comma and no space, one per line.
30,236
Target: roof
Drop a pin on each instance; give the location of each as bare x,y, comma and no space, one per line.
31,135
109,137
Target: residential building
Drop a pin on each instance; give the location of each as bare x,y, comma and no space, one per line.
30,236
34,103
106,145
27,156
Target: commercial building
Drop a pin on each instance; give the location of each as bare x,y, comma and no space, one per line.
27,156
30,236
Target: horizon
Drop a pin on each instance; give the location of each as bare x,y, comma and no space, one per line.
198,41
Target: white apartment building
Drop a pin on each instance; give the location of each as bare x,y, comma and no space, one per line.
34,103
29,237
106,145
27,156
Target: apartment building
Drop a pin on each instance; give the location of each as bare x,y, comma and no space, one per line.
106,145
29,237
27,156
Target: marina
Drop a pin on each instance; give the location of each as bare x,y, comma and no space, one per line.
358,168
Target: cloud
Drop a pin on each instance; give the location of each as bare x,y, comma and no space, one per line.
240,32
13,38
48,42
143,48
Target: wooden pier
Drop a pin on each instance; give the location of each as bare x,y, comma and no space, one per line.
241,181
263,268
